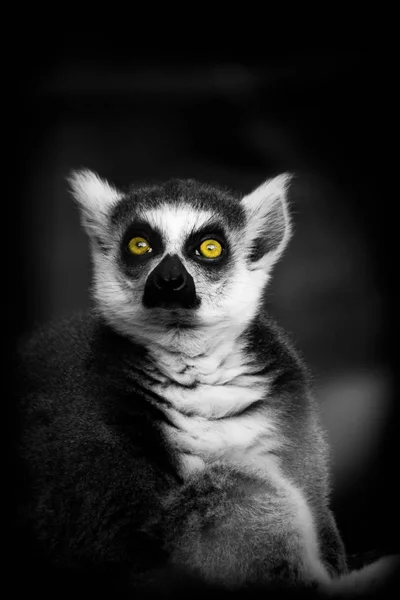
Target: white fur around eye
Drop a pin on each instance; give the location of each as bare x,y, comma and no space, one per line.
176,223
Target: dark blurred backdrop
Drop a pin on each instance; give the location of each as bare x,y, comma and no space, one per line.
98,102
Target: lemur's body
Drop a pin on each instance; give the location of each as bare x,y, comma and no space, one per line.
175,426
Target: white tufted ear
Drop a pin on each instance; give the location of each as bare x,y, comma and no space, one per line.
95,197
268,222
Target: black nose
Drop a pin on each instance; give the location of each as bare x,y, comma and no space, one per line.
170,285
173,279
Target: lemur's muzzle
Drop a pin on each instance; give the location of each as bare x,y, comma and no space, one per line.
169,285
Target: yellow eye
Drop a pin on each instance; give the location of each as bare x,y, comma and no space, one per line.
139,245
210,249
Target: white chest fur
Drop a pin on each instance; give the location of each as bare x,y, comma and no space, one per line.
206,397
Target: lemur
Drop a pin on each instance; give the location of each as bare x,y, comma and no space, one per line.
171,433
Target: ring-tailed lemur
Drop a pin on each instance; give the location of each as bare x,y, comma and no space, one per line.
173,429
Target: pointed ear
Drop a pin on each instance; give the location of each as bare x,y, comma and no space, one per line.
95,197
268,222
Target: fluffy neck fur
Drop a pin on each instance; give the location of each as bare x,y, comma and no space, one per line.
184,342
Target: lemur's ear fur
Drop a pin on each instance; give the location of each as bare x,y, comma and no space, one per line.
95,197
268,223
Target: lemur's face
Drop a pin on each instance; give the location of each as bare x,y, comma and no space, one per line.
180,257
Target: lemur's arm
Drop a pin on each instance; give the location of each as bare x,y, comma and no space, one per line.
237,529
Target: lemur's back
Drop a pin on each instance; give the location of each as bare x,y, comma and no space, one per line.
175,430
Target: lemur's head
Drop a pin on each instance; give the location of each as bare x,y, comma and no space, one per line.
173,260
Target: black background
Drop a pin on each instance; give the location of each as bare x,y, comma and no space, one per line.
138,111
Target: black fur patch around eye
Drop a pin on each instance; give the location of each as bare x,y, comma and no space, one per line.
215,267
133,264
212,230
